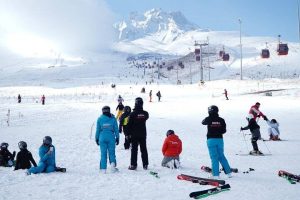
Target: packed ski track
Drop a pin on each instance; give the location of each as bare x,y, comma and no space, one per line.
70,113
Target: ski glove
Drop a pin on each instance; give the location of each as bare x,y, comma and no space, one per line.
117,141
265,118
97,142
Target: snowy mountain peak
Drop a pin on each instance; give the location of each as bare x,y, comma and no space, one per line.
155,22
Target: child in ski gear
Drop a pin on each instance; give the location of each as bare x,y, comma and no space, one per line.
216,127
138,134
24,157
226,94
255,132
171,150
107,136
158,95
150,96
6,158
273,129
254,110
123,126
119,110
47,162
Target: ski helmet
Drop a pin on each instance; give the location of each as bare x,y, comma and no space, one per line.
4,145
106,109
47,140
139,102
257,104
170,132
22,145
127,109
213,109
273,121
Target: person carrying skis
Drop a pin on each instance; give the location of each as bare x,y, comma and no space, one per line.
273,129
6,158
158,95
216,127
123,125
107,136
255,132
119,109
137,132
171,150
47,162
254,110
24,157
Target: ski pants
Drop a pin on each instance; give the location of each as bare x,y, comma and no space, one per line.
216,153
42,167
107,146
135,142
167,159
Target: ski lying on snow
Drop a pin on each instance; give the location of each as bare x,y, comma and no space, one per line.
289,176
184,177
248,154
208,192
201,182
209,170
155,174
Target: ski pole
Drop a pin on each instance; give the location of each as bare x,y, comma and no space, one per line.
267,147
245,139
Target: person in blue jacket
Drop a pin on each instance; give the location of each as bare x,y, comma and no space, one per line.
216,127
47,158
107,136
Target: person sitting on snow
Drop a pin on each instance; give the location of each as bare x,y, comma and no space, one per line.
171,150
6,158
24,157
47,158
273,129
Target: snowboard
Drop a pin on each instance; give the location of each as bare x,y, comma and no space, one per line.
204,193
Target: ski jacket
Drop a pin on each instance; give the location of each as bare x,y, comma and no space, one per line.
47,158
24,157
172,146
137,123
273,128
6,155
107,128
216,126
254,110
252,125
123,122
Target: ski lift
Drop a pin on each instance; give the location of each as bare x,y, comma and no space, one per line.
282,49
265,53
225,57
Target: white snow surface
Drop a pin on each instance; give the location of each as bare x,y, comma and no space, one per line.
70,112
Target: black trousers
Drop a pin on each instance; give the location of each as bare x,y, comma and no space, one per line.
254,143
135,142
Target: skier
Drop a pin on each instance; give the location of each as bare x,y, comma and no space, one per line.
43,99
171,150
47,162
158,95
273,129
6,158
150,96
137,131
119,109
123,126
226,94
255,132
120,99
254,110
107,136
19,98
24,157
216,127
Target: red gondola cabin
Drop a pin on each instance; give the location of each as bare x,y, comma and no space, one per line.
225,57
282,49
265,53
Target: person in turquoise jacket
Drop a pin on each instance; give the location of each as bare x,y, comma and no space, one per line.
107,136
47,158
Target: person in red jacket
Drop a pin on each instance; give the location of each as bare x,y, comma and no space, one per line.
171,150
254,110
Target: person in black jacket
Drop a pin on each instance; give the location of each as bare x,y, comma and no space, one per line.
137,132
216,127
24,157
6,158
123,126
255,132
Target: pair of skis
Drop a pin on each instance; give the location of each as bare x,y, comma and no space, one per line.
209,170
291,178
220,185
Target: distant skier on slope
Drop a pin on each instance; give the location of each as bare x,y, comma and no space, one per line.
216,127
171,150
226,94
